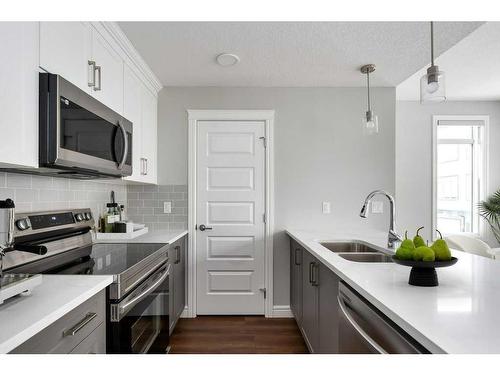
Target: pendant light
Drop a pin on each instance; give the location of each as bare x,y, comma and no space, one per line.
432,85
370,121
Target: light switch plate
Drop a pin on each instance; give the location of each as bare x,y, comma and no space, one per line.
167,207
326,207
377,207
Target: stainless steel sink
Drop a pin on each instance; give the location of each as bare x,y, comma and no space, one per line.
348,247
367,257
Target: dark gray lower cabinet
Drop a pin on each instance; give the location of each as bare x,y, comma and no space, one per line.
309,324
313,300
296,280
81,331
177,259
328,313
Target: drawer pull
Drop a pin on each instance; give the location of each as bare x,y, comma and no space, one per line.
74,330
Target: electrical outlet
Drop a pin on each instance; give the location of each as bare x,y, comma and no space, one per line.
167,207
326,207
377,207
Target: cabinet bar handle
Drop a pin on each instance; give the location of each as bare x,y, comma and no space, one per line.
91,73
311,264
74,330
98,70
178,254
295,257
315,274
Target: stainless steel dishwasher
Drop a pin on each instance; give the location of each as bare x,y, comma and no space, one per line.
363,329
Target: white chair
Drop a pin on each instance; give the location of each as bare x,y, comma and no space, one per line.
469,244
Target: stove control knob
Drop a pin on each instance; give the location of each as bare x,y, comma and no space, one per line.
87,215
23,224
79,217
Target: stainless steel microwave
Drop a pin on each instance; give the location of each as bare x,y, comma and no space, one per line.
79,136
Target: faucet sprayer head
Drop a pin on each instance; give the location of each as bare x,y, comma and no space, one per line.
364,210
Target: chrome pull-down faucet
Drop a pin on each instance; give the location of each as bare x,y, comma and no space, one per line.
393,237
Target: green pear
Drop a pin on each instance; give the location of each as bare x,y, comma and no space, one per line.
441,249
424,253
406,249
418,240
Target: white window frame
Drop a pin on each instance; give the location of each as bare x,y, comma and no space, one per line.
460,120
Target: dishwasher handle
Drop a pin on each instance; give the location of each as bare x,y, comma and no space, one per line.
366,337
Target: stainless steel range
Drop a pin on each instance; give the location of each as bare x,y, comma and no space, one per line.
60,242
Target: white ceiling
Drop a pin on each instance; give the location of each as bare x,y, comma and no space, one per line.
472,68
288,54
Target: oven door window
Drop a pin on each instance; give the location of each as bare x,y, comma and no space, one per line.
84,132
144,328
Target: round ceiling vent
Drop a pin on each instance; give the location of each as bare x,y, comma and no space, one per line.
227,59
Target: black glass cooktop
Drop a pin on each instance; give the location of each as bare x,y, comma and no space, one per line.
110,259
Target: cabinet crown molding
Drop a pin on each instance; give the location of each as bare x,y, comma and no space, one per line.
132,56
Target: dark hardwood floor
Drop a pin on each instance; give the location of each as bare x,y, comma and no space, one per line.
237,335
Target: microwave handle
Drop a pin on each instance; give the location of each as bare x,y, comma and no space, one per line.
125,147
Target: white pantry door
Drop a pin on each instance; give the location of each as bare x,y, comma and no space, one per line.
230,191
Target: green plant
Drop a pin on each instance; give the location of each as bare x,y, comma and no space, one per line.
489,210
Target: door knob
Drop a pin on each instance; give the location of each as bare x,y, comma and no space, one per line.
203,227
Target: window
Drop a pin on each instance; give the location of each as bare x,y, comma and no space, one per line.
459,164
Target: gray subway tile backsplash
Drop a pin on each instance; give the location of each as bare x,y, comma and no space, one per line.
145,205
18,180
41,193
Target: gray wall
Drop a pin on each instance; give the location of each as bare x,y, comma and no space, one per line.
320,154
414,156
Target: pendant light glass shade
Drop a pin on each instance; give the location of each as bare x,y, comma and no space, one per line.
432,85
370,120
370,123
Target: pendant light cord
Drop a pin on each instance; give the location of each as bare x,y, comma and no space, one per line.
368,85
432,43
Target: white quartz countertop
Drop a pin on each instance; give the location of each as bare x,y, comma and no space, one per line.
22,317
158,236
459,316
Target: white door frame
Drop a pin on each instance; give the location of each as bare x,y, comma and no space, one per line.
267,116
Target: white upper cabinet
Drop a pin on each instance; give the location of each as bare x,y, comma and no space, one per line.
132,111
19,95
65,49
79,53
96,57
149,136
140,107
108,73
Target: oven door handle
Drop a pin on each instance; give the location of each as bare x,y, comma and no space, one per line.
125,145
123,308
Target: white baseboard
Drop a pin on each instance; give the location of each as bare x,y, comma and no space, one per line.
281,311
185,313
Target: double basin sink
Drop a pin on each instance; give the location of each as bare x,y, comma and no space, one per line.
356,251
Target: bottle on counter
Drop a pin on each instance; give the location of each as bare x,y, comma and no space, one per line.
122,213
110,217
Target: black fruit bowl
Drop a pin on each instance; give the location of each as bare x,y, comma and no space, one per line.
424,273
